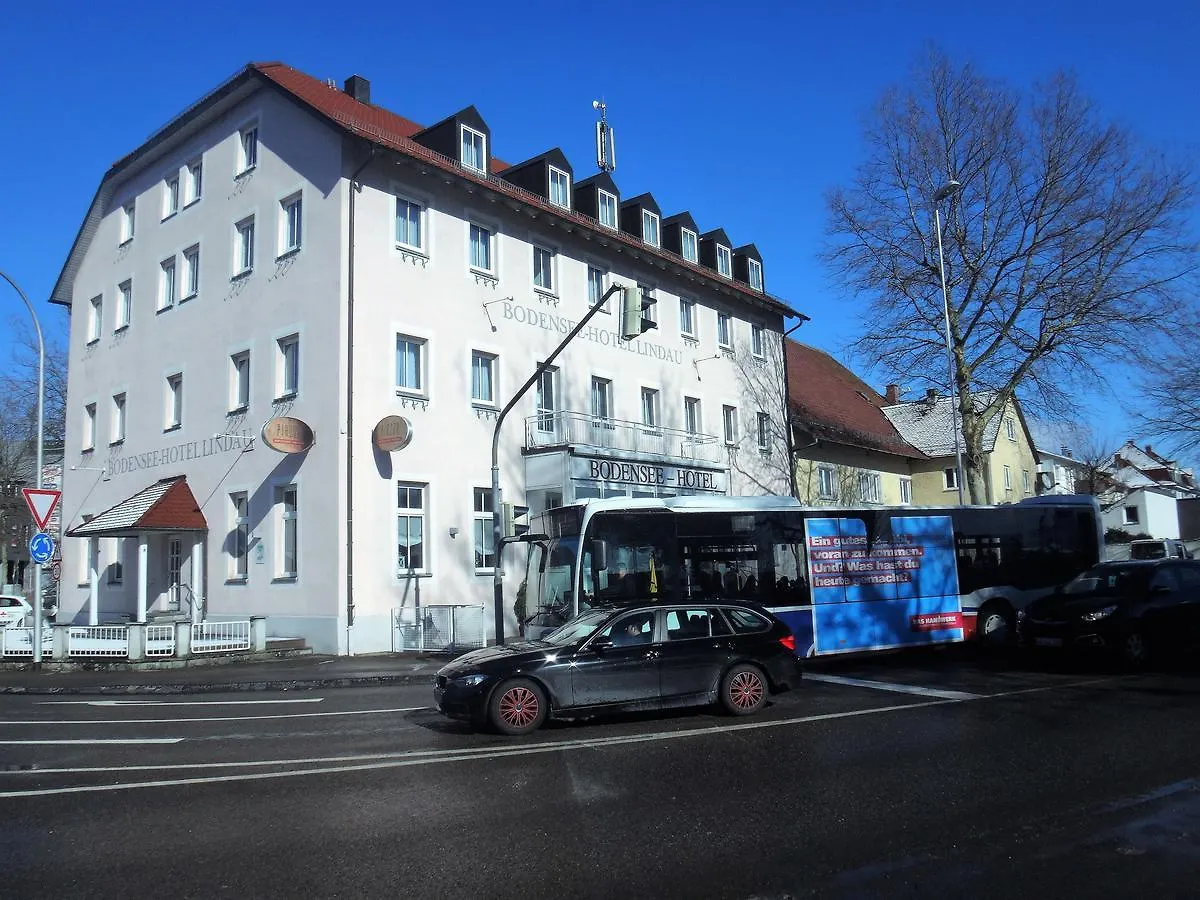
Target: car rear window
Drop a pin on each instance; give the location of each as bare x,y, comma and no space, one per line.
7,602
1156,550
744,621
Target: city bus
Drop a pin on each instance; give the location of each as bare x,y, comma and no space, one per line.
845,579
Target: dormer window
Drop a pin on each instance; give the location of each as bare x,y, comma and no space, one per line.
560,188
755,272
724,261
608,210
650,227
688,246
474,150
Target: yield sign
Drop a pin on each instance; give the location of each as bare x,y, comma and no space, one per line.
41,504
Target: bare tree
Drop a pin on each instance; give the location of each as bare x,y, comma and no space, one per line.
1067,244
763,384
20,384
1171,388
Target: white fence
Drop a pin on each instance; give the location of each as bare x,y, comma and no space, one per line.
438,629
219,637
98,640
18,642
160,641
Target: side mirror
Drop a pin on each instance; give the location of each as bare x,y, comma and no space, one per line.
599,555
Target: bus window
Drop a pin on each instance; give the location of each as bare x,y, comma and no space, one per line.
639,553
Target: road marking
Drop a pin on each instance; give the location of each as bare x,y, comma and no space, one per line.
173,702
889,686
250,718
91,741
370,762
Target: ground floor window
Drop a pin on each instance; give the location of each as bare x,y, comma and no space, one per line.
485,545
410,528
286,500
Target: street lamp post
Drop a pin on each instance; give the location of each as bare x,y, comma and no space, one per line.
37,569
949,189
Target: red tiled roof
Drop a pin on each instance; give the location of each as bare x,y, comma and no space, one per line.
837,405
166,505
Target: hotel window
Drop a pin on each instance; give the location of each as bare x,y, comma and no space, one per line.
410,364
756,340
724,261
191,272
289,366
89,427
291,224
174,404
95,319
950,479
239,394
543,269
729,416
601,399
409,231
607,207
1010,429
764,432
691,415
118,419
869,488
193,182
239,551
485,544
596,288
483,378
825,482
124,305
128,213
166,284
244,251
481,249
755,268
474,155
905,490
687,245
247,150
1007,480
724,331
547,399
650,407
170,196
410,528
687,317
286,498
650,227
560,188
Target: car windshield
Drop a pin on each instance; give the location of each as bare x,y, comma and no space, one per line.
1156,550
1108,580
577,629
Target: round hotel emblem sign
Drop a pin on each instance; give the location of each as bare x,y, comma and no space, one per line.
287,435
392,433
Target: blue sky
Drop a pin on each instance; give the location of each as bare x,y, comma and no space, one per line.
743,113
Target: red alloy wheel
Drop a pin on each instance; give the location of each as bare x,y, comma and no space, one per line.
519,707
746,690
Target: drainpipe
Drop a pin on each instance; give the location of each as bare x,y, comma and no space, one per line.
350,405
787,413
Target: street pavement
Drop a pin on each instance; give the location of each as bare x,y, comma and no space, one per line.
910,775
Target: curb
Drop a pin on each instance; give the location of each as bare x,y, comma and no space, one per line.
223,687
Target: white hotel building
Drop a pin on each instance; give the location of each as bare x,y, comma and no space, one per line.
286,249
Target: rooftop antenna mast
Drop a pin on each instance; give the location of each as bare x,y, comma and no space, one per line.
606,151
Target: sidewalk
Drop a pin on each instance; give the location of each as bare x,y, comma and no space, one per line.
287,674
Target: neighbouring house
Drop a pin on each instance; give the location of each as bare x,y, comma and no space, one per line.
845,450
1059,473
1145,491
1010,458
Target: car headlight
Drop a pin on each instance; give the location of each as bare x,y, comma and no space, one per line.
470,680
1098,614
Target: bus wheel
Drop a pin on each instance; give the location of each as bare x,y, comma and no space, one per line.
518,706
743,690
994,625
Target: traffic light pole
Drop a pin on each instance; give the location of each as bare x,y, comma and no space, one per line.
497,512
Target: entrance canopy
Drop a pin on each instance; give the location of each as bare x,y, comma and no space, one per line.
166,505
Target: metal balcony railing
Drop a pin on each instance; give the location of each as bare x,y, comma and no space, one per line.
556,429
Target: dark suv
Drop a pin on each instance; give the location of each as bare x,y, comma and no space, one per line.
1134,608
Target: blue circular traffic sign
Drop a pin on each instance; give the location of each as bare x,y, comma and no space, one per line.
41,547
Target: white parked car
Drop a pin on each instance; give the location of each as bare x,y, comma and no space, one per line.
13,610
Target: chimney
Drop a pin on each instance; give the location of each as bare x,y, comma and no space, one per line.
1149,450
893,394
358,88
931,395
1066,451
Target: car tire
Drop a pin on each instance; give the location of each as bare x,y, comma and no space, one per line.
995,626
1135,649
517,706
743,690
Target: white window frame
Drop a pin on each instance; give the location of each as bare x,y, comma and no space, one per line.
116,572
754,273
724,261
191,272
756,341
600,399
651,225
89,427
117,434
605,202
870,487
420,246
689,240
1025,482
239,526
287,523
481,360
764,432
651,416
724,330
124,311
239,381
1131,515
729,421
687,318
550,264
421,388
826,483
489,244
95,320
557,175
463,131
601,284
287,379
193,182
950,479
291,224
547,413
481,532
1010,428
1008,480
693,416
243,246
420,513
168,284
173,407
171,195
247,150
905,490
128,222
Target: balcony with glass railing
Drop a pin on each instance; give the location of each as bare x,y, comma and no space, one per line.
559,429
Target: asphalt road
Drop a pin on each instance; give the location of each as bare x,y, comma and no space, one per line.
907,776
